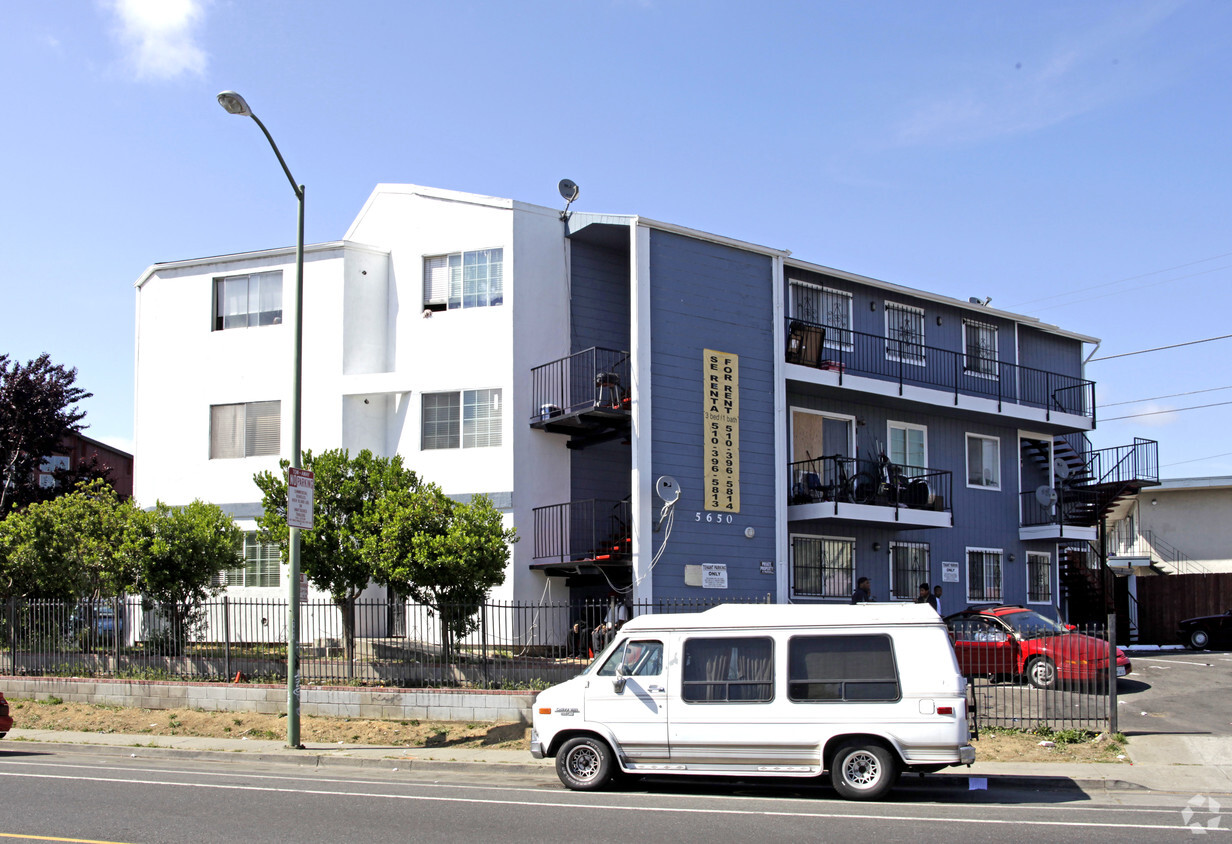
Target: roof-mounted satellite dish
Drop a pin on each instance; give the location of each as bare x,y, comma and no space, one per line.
1061,469
1045,495
568,191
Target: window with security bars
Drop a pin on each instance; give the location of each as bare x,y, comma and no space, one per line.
463,419
984,574
464,280
262,565
908,569
824,306
822,567
904,333
1039,578
252,429
244,301
980,345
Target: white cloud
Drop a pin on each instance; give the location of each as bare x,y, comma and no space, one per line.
159,36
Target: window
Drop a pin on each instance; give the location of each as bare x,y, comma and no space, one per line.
245,301
908,569
824,306
728,669
983,461
1039,578
832,668
984,574
262,565
244,430
464,280
904,333
640,657
980,344
822,567
907,447
466,419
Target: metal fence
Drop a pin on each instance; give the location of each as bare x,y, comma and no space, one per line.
399,644
1060,681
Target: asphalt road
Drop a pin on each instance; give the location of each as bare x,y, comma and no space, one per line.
77,796
1177,692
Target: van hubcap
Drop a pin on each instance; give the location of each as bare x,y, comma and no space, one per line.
862,769
583,763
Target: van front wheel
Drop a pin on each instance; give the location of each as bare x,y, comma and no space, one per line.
863,771
585,763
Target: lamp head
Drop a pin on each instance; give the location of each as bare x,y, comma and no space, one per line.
234,104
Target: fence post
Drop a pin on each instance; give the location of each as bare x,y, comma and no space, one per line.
226,637
10,607
483,640
1112,674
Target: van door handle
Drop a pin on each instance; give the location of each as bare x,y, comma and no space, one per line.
653,689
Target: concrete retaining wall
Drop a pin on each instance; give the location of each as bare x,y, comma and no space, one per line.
328,701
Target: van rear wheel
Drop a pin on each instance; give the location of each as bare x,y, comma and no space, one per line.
585,763
863,771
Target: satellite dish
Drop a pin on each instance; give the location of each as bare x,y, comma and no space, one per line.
1045,495
667,489
568,190
1061,469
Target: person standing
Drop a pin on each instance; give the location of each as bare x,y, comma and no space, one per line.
937,597
863,593
926,597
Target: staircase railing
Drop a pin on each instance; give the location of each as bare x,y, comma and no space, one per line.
1147,544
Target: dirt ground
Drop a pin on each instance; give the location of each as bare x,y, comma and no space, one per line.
53,715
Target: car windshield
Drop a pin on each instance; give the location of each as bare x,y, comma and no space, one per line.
1029,624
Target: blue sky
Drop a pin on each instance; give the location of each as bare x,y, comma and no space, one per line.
1073,161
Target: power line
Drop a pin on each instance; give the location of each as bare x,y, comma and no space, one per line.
1158,412
1162,348
1169,396
1073,302
1197,459
1121,280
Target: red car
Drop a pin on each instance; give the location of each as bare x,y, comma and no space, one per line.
6,720
1018,642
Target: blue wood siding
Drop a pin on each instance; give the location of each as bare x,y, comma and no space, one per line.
708,296
1041,350
599,297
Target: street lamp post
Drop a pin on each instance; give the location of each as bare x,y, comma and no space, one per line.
234,104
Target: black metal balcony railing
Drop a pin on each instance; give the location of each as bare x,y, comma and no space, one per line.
904,362
589,530
1104,476
1073,506
594,379
841,479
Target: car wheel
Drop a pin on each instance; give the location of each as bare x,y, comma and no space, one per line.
863,771
1042,673
585,763
1199,639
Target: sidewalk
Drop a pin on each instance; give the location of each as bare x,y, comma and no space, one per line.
1212,775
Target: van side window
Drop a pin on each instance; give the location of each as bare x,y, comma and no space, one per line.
640,657
728,669
835,668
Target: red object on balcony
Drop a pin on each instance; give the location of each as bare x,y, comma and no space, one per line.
832,365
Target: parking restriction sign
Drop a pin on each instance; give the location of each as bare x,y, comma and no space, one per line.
299,498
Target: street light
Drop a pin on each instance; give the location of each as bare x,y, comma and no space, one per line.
235,104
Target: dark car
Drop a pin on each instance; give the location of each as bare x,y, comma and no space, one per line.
1206,631
1011,641
6,720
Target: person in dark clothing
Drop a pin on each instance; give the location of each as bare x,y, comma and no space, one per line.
937,596
926,597
863,593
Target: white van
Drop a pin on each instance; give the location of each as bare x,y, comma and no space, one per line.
864,692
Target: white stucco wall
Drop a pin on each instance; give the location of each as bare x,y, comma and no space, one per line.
1193,518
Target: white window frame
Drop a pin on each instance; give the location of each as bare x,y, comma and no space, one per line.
892,346
262,561
249,436
472,432
1051,586
445,280
996,485
913,589
891,426
837,336
252,317
1000,552
985,367
809,597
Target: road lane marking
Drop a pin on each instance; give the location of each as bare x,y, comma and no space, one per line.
586,807
50,838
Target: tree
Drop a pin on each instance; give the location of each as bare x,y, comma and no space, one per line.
334,555
179,552
38,406
442,553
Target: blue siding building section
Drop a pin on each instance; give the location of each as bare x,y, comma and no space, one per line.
709,296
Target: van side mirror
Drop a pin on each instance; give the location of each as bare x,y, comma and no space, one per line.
622,673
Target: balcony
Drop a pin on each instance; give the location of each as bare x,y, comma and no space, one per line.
911,367
847,489
585,396
583,537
